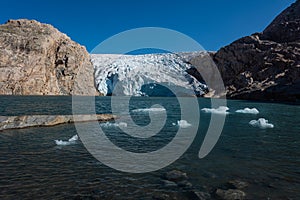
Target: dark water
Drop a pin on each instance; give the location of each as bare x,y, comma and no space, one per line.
32,166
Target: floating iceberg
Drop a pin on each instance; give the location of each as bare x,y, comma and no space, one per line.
149,110
221,110
72,140
248,111
261,123
183,124
109,124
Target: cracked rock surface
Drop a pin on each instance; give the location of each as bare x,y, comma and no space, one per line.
37,59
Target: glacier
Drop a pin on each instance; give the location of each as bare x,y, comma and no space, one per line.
146,75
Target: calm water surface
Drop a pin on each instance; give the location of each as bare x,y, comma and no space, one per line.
32,166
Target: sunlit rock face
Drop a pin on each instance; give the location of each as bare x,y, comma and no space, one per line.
37,59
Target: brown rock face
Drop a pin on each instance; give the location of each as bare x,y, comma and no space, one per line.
37,59
265,66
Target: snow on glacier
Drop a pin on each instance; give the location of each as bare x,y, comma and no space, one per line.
139,75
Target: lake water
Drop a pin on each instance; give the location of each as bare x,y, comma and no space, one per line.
32,166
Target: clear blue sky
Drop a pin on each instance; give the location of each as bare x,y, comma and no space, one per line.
213,23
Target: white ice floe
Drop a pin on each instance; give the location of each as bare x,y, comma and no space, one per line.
248,111
149,110
183,124
72,140
109,124
261,123
221,110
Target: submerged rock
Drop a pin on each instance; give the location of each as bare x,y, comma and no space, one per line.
161,197
176,176
237,184
231,194
199,195
37,59
167,183
185,184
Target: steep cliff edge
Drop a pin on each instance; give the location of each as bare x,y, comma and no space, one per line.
265,66
37,59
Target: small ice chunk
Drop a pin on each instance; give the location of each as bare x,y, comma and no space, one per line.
183,124
221,110
109,124
248,111
149,110
122,124
261,123
72,140
60,142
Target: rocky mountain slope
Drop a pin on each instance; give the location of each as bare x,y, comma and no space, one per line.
265,66
37,59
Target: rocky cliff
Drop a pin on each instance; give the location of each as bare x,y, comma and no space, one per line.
37,59
265,66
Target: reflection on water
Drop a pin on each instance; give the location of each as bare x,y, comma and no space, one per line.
34,167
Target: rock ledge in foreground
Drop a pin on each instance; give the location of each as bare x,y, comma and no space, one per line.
15,122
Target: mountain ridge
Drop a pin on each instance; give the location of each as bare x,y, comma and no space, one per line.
266,65
37,59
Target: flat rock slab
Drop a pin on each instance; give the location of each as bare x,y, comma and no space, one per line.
14,122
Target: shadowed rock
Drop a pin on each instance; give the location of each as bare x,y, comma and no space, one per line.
176,176
264,66
230,194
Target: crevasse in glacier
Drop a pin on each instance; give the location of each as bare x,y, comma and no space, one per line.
145,75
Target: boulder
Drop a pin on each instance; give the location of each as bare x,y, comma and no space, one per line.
199,195
230,194
176,176
237,184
